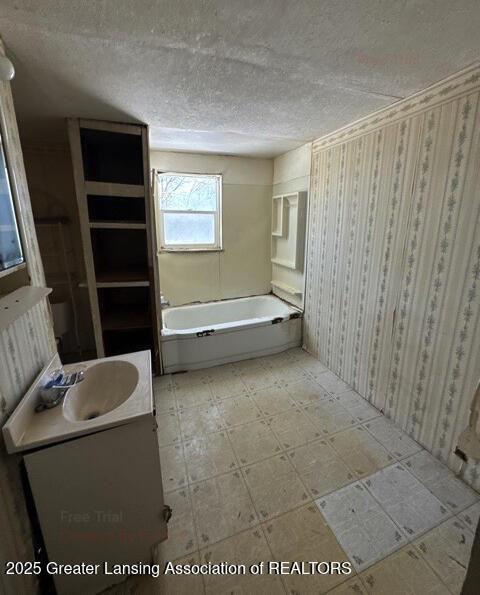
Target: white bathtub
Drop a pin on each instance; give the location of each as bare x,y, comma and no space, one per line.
205,335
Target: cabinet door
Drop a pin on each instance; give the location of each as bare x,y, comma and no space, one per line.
100,499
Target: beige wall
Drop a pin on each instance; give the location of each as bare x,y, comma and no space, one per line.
291,173
392,300
243,267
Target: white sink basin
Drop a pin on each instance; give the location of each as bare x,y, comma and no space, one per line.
115,391
105,387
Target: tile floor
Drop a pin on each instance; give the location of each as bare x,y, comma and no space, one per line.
278,459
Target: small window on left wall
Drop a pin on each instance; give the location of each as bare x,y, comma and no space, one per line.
190,211
11,254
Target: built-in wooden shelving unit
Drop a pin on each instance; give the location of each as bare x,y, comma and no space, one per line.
111,169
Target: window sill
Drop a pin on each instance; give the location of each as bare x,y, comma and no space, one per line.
189,250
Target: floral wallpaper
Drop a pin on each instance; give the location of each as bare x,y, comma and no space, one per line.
393,261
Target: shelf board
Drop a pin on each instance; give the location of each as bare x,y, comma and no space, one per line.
20,301
286,288
111,126
119,319
117,225
111,189
106,284
51,221
290,264
122,279
278,218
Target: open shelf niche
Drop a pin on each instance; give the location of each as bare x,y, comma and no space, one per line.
288,230
111,170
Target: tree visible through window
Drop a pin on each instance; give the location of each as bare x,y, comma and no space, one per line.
190,211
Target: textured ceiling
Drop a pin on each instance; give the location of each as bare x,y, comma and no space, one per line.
245,77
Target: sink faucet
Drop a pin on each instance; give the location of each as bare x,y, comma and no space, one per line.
56,388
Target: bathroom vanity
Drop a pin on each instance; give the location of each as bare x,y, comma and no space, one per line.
93,465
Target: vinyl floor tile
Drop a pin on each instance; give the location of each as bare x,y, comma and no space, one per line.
360,451
312,366
222,507
403,573
471,516
307,392
357,406
409,503
397,442
293,428
173,584
181,529
453,492
352,586
209,455
275,486
447,549
258,378
197,421
301,536
320,468
329,416
168,428
226,387
278,458
273,400
246,548
253,442
174,473
193,395
165,401
332,383
239,410
363,529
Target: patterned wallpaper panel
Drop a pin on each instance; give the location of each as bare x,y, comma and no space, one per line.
392,303
25,347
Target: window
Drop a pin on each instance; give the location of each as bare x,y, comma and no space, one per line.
10,247
190,211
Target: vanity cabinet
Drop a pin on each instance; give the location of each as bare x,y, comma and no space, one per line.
99,498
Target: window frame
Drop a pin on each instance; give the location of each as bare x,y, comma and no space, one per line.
218,245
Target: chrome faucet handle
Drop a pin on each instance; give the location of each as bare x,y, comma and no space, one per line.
66,380
57,387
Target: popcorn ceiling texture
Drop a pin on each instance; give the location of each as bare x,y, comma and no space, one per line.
222,76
